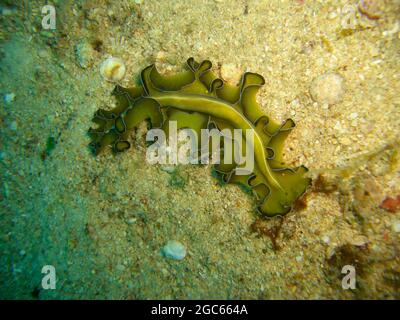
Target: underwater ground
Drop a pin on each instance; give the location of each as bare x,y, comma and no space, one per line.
331,66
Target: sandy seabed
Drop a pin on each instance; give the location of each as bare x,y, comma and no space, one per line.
102,221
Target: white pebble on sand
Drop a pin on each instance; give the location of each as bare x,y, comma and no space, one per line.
326,239
327,88
174,250
396,226
230,73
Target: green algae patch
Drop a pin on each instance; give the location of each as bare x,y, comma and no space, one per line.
51,143
198,99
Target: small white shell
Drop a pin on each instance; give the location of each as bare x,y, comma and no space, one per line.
327,88
113,69
174,250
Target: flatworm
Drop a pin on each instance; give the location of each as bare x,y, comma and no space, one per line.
196,99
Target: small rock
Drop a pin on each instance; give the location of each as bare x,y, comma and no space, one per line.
230,73
120,267
353,116
359,241
131,221
9,97
174,250
327,88
332,15
396,226
299,258
326,239
85,54
43,54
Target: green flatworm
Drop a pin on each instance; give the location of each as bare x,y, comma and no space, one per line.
196,98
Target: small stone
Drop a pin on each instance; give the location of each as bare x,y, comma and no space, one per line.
85,54
174,250
396,226
9,97
394,30
327,88
353,116
332,15
113,69
326,239
338,126
230,73
120,267
359,241
131,221
43,54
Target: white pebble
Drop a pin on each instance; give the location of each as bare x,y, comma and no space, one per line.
326,239
113,69
332,15
327,88
396,226
230,73
353,116
174,250
359,241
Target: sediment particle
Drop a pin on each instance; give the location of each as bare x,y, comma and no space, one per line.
230,72
174,250
84,55
396,226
